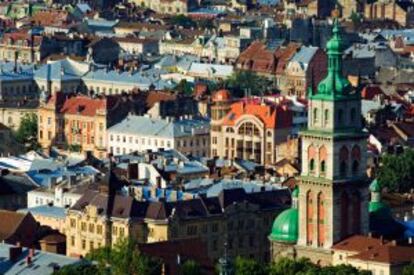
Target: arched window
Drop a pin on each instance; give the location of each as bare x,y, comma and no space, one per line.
312,165
323,154
312,155
344,215
353,115
309,218
323,167
343,168
343,161
321,220
355,167
326,116
315,115
340,116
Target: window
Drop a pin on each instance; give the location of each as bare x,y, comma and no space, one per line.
353,115
355,167
99,229
72,223
191,230
83,226
121,232
214,227
91,228
72,241
340,116
315,115
326,116
323,168
215,245
91,245
312,165
83,244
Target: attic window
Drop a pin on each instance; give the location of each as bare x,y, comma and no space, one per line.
81,108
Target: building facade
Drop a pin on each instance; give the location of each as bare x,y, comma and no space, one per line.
248,129
142,133
77,123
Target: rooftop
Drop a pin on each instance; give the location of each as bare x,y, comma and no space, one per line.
146,126
42,262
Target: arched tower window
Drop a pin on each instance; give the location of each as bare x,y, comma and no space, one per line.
340,116
312,165
323,154
311,158
343,161
315,115
356,158
344,214
355,167
309,217
321,220
353,115
356,213
326,116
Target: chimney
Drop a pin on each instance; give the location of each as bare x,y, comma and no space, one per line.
133,171
28,260
14,253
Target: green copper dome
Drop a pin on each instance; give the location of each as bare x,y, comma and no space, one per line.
336,43
379,207
375,187
295,192
335,86
286,227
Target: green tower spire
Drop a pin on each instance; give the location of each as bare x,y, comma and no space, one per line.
335,86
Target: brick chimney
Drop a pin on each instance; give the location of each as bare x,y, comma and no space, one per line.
14,253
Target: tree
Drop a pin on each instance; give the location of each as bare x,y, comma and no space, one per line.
396,171
124,258
245,266
27,132
409,269
184,87
82,268
242,81
287,266
190,267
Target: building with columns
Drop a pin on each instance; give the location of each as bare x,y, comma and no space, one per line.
332,196
250,128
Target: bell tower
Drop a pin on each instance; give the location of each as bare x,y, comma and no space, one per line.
333,188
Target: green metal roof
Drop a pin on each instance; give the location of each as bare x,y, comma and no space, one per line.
335,86
286,227
295,192
375,187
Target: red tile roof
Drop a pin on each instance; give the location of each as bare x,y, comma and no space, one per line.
271,115
83,105
376,250
221,95
80,104
369,92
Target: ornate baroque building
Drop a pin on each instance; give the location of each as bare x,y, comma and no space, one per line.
331,202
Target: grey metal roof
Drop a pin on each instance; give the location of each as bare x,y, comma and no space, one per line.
146,126
304,56
42,262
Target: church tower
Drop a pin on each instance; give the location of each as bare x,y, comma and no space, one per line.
333,188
